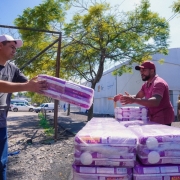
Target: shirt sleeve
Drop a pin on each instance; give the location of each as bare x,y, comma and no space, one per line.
158,89
19,77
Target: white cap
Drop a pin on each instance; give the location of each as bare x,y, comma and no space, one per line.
6,37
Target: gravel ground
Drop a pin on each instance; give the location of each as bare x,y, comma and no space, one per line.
44,159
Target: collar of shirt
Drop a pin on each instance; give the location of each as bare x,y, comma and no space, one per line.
148,84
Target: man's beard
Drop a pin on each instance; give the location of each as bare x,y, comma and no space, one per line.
146,78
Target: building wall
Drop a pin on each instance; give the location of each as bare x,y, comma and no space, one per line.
104,89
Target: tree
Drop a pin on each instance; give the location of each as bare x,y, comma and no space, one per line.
176,6
99,36
96,36
38,98
46,16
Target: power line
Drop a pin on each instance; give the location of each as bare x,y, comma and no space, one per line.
121,3
172,17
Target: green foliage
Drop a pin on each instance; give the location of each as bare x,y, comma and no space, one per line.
45,16
99,36
45,125
161,61
123,69
92,39
38,98
176,6
42,17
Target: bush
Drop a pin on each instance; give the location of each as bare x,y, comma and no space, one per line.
45,125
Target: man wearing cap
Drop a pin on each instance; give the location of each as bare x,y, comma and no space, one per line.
11,80
154,94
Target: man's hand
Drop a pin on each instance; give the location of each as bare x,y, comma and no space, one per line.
35,85
127,99
117,97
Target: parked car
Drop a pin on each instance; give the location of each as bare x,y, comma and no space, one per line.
21,107
45,106
16,101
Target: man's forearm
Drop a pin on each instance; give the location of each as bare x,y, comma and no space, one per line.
10,87
152,102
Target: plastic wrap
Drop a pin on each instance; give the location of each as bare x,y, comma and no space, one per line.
107,144
67,91
157,144
101,173
154,134
135,122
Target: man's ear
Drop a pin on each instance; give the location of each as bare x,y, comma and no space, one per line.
152,71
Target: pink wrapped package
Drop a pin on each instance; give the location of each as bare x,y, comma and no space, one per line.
157,144
101,173
96,144
154,134
101,159
104,135
154,158
160,172
67,91
106,149
164,151
129,113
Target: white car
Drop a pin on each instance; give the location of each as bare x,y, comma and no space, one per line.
22,107
46,106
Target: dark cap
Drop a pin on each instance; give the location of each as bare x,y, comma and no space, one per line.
146,65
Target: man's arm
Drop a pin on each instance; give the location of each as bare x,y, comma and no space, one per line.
151,102
32,85
140,94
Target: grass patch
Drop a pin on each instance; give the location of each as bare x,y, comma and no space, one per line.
49,131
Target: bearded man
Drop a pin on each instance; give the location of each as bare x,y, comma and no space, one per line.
154,94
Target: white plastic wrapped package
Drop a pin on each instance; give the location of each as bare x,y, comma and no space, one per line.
101,173
129,113
157,144
106,144
160,172
67,91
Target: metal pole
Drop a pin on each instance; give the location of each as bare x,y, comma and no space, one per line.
56,102
31,29
34,58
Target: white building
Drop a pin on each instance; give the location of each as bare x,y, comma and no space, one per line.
110,85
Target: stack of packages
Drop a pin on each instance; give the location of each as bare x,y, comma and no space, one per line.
131,113
67,91
158,152
104,149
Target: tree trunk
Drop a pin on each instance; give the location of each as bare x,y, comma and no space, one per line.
90,113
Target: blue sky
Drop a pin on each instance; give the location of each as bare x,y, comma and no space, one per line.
10,9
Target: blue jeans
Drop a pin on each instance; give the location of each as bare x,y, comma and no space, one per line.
3,153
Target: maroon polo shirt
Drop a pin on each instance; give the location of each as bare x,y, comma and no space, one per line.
164,113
